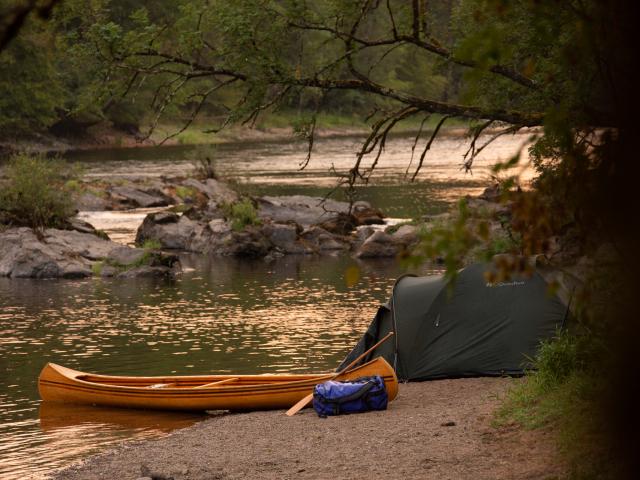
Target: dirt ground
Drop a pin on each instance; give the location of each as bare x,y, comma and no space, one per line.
433,430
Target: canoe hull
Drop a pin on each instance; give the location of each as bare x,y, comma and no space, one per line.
245,392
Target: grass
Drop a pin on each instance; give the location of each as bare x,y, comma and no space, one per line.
560,393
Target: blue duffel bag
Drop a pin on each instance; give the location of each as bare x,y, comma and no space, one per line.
355,396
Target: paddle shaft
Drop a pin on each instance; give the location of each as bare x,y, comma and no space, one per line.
303,403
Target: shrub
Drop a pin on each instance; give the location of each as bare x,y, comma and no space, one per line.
186,193
37,194
241,214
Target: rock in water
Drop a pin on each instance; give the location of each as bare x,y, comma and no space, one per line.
71,254
379,244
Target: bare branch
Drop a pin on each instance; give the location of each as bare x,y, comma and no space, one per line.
415,143
467,165
428,146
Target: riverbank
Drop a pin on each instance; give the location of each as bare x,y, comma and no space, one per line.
273,129
433,430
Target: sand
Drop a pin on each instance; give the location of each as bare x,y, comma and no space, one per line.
433,430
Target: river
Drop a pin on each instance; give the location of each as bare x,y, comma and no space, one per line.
224,315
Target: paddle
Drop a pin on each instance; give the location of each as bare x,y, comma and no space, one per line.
303,403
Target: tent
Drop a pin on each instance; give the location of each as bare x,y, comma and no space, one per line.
473,328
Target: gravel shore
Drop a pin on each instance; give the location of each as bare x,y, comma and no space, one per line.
433,430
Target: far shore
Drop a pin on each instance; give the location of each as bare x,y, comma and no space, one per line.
109,138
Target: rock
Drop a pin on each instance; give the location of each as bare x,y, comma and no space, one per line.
81,226
380,244
250,243
173,231
300,209
87,202
125,255
341,224
165,217
68,254
366,215
85,245
213,189
406,235
108,271
146,271
284,236
320,239
219,226
362,233
138,198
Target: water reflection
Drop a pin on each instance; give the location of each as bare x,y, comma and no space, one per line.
222,315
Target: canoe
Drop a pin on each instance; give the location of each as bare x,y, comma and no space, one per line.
195,393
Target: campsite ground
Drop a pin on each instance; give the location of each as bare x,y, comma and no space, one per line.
433,430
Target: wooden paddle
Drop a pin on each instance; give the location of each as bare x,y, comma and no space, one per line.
303,403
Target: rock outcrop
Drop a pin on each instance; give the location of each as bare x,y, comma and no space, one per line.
73,254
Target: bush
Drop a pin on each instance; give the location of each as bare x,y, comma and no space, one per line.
37,193
242,214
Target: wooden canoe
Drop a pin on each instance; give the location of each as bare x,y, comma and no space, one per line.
195,393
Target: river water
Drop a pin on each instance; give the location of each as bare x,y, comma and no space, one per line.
221,315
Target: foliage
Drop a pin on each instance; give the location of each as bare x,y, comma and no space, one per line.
185,193
151,244
37,193
241,214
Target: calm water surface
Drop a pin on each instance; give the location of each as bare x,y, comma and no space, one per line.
221,315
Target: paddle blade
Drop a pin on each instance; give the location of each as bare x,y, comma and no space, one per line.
300,405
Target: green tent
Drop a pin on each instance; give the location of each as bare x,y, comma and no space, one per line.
473,328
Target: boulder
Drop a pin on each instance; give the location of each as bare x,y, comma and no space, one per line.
362,233
380,244
284,237
300,209
364,214
212,189
124,255
85,245
250,243
147,271
24,255
88,202
341,224
172,231
320,239
406,235
219,226
74,223
137,198
69,254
